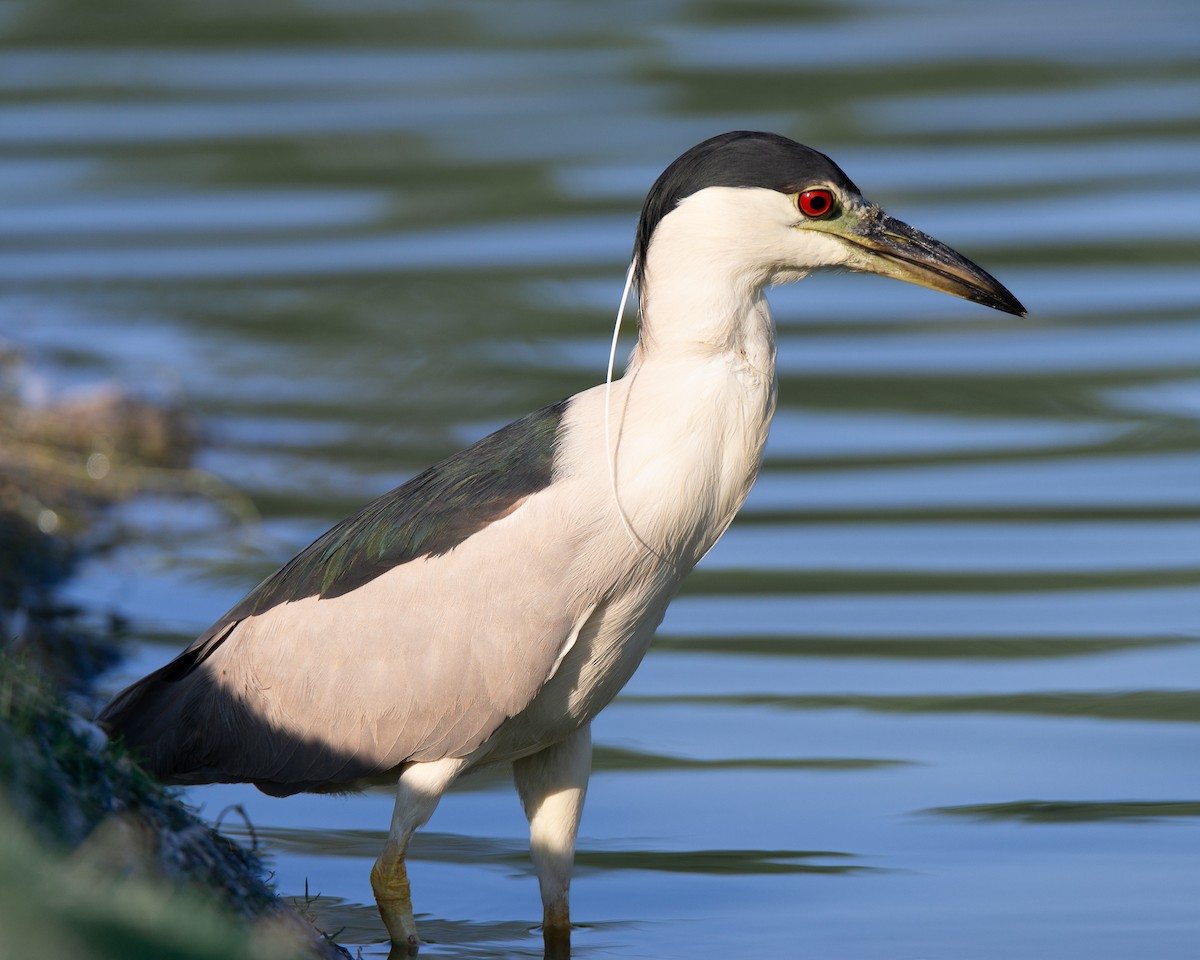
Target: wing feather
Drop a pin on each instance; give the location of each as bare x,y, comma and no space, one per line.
409,631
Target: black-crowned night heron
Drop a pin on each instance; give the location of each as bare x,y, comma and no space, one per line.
485,611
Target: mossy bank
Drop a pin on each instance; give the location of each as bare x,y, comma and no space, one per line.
97,861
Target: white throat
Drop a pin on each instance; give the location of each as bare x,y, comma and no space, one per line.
690,418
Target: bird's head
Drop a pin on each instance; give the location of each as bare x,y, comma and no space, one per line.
760,208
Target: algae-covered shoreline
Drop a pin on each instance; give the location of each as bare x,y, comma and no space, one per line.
96,860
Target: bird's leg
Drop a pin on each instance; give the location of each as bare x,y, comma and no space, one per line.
389,880
552,784
418,791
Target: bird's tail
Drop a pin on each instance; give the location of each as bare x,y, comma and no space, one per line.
184,727
160,718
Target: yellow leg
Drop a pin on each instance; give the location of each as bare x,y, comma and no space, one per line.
389,880
417,793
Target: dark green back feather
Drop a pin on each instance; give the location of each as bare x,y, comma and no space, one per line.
431,514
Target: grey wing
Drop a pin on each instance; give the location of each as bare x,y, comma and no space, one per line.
424,661
409,631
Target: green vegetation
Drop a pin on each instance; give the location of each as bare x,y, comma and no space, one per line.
96,860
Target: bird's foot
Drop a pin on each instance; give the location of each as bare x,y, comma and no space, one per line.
401,951
389,881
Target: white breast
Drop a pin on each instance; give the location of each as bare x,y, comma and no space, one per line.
688,436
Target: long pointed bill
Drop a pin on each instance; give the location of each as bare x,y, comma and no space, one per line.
892,248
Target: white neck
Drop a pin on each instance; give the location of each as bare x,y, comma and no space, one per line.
693,315
691,415
705,271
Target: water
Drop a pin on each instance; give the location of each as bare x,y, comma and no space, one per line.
935,693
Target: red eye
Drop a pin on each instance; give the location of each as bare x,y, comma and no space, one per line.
815,203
